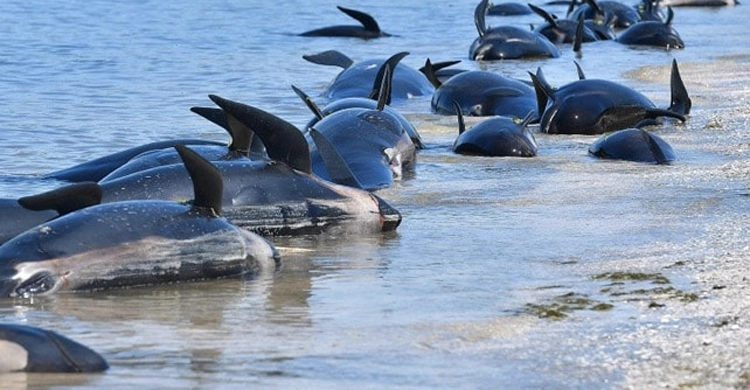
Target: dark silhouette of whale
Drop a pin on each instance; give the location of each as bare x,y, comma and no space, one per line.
496,137
368,30
591,106
30,349
507,42
135,243
633,144
653,33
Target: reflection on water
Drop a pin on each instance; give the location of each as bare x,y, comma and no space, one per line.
451,299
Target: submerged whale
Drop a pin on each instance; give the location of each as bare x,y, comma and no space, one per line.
591,106
633,145
496,137
368,30
372,142
482,93
26,348
135,243
507,42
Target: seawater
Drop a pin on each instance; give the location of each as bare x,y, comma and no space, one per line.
453,298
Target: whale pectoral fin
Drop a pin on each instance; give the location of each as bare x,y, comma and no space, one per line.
66,199
208,185
658,112
367,21
544,14
680,101
335,164
655,148
331,58
429,70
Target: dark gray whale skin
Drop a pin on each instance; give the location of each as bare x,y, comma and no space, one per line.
45,351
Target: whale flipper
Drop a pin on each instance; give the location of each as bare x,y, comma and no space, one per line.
309,102
66,199
337,168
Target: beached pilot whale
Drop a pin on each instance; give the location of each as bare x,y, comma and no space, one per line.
276,197
653,33
496,137
135,243
357,79
507,42
372,142
368,30
481,93
370,102
633,144
26,348
591,106
244,144
23,213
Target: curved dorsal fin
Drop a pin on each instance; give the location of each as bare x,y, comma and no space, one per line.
384,96
66,199
331,58
680,101
208,185
527,120
544,14
377,85
309,102
670,16
543,90
429,70
283,141
578,41
242,136
480,13
337,167
460,115
367,21
581,75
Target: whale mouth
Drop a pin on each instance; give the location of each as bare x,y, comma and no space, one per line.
38,284
390,217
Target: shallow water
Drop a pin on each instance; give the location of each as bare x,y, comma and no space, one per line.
454,297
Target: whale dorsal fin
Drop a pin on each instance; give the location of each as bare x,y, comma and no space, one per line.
331,58
66,199
367,21
543,90
309,102
544,14
242,136
581,75
337,167
208,185
460,115
480,14
283,141
578,41
381,79
385,89
680,101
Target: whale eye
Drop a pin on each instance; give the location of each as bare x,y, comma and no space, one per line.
37,284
